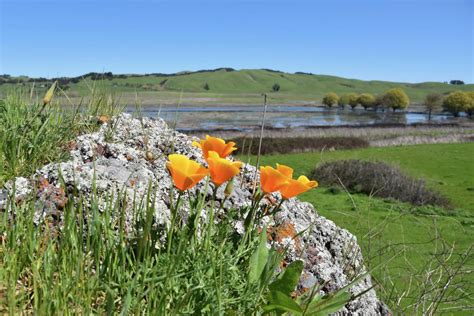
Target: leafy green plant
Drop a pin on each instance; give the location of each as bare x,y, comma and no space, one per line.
280,298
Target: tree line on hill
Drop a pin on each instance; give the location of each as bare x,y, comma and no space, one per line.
396,99
5,78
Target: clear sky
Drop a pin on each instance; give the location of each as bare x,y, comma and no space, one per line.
396,40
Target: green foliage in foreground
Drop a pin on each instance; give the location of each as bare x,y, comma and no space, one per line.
29,140
32,135
424,236
90,266
87,264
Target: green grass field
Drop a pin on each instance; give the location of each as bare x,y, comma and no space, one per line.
246,86
406,237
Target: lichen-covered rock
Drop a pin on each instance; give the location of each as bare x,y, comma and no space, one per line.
127,156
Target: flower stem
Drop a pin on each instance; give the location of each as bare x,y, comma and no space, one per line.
174,215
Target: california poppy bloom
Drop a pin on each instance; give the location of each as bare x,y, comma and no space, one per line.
221,169
216,144
271,179
185,172
285,170
296,187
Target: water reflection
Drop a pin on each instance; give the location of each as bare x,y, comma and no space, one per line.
249,117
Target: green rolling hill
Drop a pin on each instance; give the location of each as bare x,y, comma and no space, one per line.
230,86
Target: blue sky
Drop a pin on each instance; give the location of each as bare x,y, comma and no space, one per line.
396,40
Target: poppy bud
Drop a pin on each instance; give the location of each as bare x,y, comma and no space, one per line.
229,188
50,93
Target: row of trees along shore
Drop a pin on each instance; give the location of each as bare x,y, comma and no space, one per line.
396,99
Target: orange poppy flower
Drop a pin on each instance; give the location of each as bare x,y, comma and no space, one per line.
216,144
285,170
185,172
296,187
271,179
221,169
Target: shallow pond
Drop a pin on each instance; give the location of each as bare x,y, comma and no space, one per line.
296,117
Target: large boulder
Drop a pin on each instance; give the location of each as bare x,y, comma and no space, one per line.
127,156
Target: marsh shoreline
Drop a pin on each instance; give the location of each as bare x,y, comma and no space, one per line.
376,136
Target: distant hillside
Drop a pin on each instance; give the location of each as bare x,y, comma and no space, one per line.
233,84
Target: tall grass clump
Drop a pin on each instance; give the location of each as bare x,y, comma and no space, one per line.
90,266
33,134
29,140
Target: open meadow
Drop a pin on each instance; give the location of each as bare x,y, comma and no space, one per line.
413,241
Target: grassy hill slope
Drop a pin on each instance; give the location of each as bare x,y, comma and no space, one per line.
245,84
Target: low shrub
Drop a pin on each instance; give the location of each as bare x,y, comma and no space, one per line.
285,145
378,179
